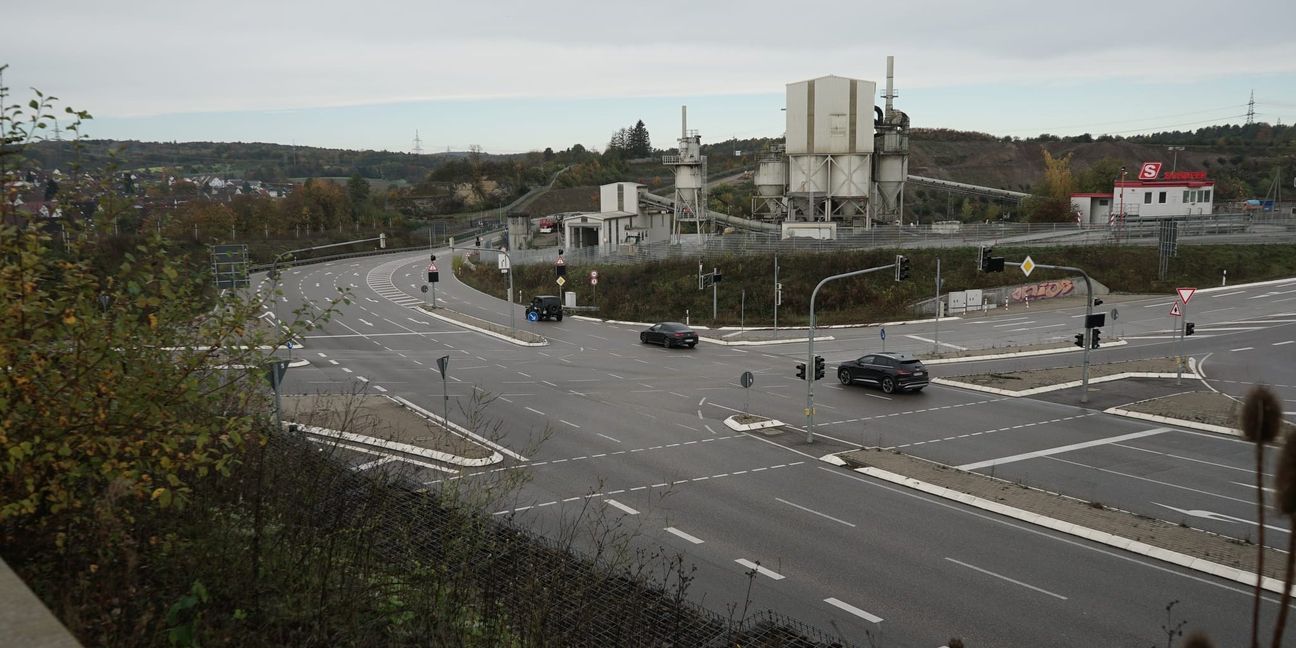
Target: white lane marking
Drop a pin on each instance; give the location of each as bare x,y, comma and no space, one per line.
380,388
1060,449
1242,349
676,394
333,362
1200,461
871,618
616,376
809,510
524,375
1014,324
362,379
947,344
1282,343
362,321
1002,577
759,570
1159,305
569,423
374,464
1245,485
623,507
1150,480
608,437
346,370
693,539
1236,292
322,355
548,383
536,411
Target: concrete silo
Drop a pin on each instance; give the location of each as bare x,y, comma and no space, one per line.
690,177
771,182
830,128
891,158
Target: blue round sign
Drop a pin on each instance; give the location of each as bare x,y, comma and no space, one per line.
882,333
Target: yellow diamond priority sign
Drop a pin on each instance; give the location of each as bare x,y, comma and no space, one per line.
1027,266
562,281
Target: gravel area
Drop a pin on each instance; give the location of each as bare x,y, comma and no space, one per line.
379,417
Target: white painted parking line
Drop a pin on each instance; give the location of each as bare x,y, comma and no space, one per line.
1060,449
759,570
1002,577
871,618
623,507
693,539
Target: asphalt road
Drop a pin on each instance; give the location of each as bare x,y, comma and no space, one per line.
636,433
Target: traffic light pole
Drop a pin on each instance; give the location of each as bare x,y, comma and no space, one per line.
810,364
1088,338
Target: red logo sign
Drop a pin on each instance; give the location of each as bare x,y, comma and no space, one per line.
1150,171
1185,175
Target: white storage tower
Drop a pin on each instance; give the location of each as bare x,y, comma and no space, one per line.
690,177
891,159
830,135
771,182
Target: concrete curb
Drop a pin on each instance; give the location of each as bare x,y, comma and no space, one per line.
748,427
828,338
1102,537
406,448
483,331
451,425
299,363
1048,388
1020,354
1195,425
709,340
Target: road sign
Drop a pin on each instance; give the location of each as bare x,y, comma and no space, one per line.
1174,310
1185,294
593,274
593,281
275,371
432,267
562,281
290,345
560,261
1027,266
1115,314
442,363
882,333
746,379
424,287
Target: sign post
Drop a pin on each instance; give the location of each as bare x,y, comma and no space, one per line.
274,373
1185,294
747,380
443,363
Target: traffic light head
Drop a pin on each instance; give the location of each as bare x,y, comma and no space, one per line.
819,368
801,370
901,267
985,258
1079,340
1095,336
1188,328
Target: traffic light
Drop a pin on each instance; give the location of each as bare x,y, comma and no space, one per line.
819,368
778,294
901,267
478,243
1188,328
1079,337
716,276
989,262
801,370
1095,336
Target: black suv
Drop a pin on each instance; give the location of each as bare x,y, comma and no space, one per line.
544,307
889,370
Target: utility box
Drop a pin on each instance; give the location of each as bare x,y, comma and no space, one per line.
569,299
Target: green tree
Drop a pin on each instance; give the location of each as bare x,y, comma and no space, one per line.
358,195
1101,176
1052,202
638,142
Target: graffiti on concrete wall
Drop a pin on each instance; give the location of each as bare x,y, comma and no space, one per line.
1043,290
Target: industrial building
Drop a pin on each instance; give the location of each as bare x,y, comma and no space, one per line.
1151,195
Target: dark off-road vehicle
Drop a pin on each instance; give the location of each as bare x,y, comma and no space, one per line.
544,307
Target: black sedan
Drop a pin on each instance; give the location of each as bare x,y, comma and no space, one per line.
669,334
889,370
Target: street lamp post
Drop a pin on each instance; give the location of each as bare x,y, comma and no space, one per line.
1174,165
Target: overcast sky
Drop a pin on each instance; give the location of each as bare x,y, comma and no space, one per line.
514,76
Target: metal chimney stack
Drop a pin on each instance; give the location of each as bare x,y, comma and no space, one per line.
683,121
890,89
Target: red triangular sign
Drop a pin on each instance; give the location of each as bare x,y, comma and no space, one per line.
1185,294
1174,310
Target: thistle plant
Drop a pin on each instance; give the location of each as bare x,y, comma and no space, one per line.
1261,419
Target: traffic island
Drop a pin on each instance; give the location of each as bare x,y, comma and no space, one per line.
751,423
1177,544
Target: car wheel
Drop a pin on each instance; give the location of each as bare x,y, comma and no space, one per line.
692,345
844,376
666,343
643,338
558,317
888,385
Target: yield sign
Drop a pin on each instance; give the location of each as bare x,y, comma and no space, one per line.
1185,294
1174,310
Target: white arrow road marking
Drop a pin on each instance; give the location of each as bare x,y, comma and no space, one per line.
1218,517
759,570
693,539
871,618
